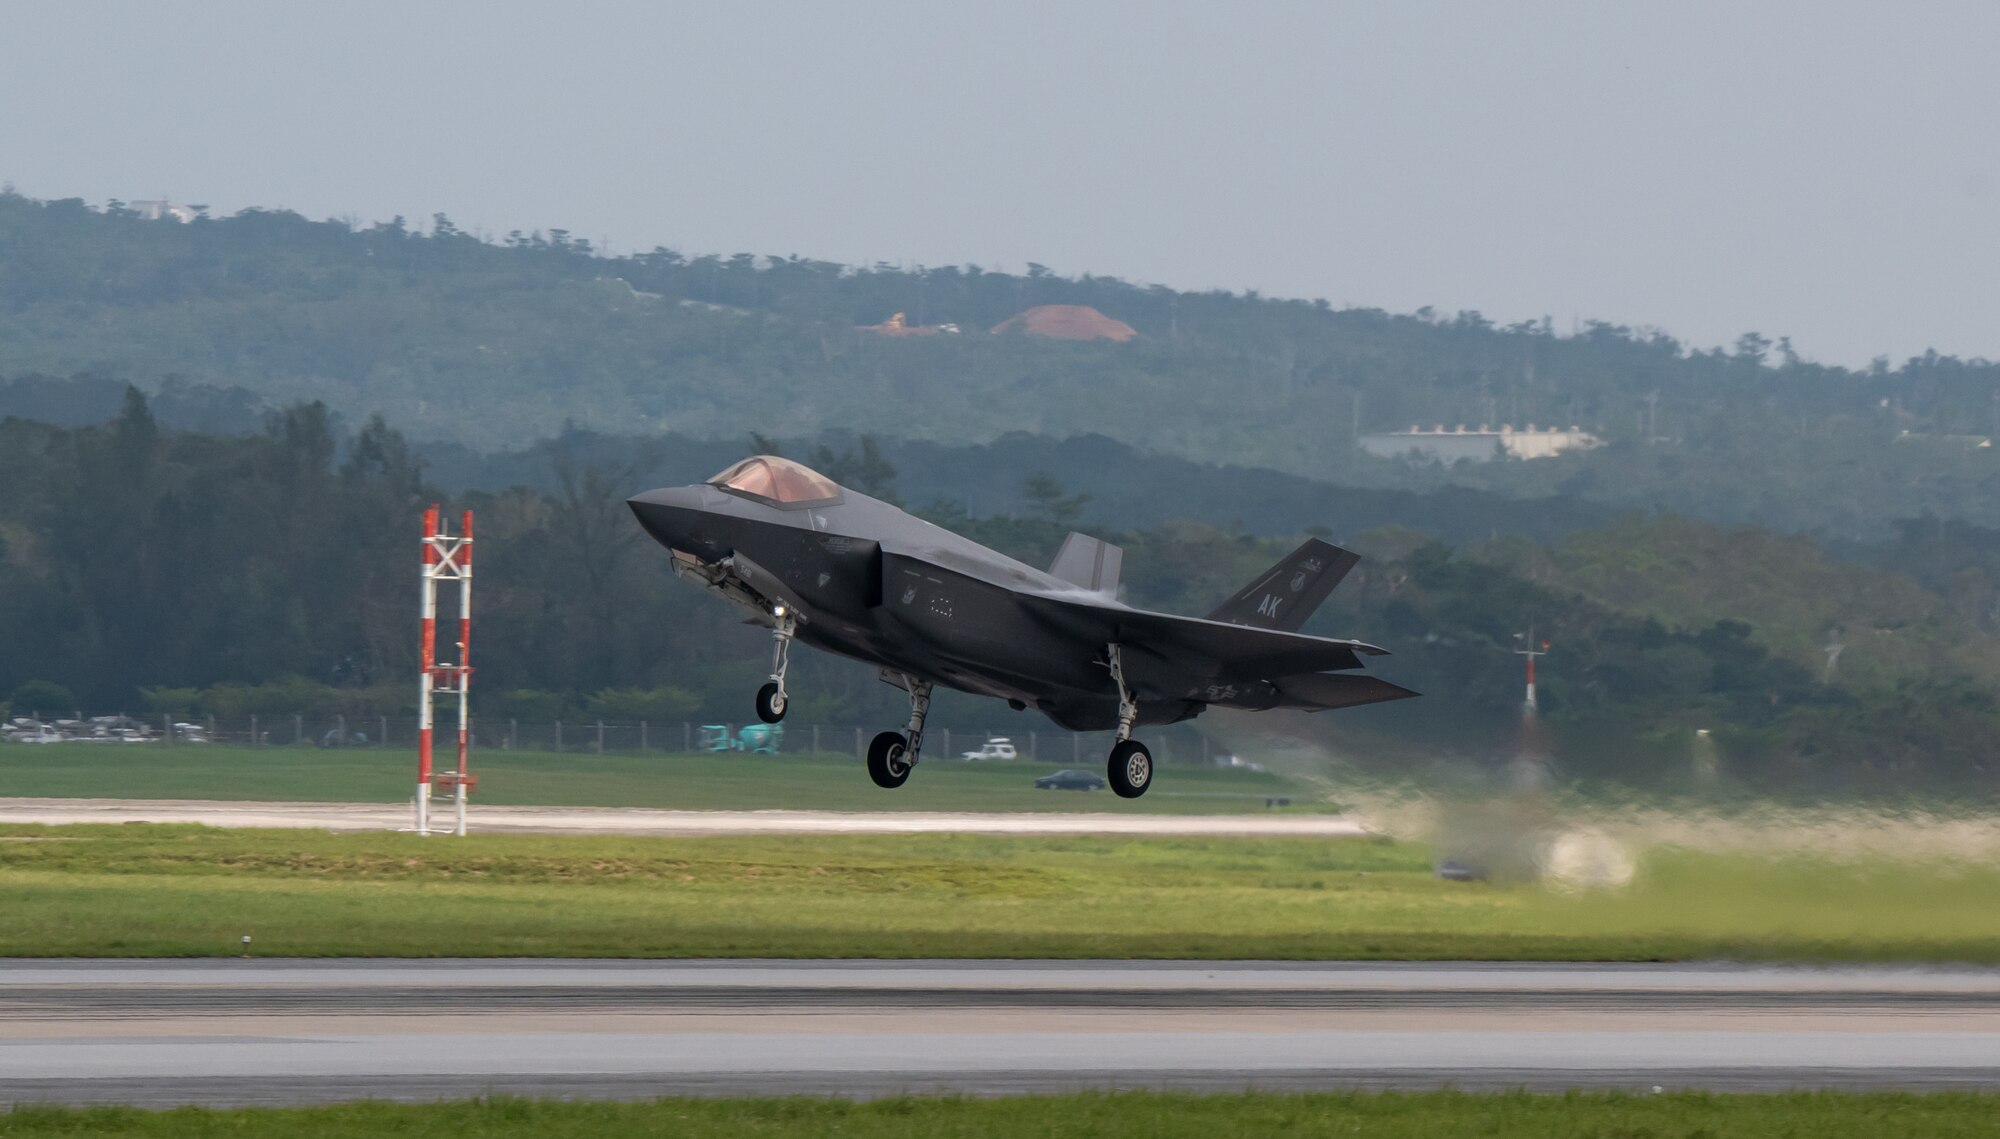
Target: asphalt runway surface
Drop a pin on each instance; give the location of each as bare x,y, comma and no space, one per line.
644,821
268,1032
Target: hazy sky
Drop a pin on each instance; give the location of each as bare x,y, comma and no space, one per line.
1827,170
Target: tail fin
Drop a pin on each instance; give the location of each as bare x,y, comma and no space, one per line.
1089,562
1283,596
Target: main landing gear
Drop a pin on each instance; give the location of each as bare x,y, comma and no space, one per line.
771,697
1130,770
892,754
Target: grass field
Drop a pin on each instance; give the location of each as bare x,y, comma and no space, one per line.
190,891
1387,1116
833,782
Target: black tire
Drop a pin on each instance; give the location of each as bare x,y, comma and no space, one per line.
770,704
888,763
1130,771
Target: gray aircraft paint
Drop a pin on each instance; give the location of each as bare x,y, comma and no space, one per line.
868,581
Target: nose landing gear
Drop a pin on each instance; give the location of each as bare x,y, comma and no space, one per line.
892,754
1130,768
771,698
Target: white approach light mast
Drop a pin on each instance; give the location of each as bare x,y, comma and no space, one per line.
447,557
1532,649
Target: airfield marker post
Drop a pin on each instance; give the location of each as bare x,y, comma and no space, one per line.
447,557
461,785
1532,650
427,655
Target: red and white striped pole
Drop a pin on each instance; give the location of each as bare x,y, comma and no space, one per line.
1534,649
428,663
461,788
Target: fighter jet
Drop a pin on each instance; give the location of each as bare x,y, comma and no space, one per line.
853,575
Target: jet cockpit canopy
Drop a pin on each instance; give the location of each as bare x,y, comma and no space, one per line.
778,482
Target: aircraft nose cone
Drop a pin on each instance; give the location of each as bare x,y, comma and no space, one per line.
668,514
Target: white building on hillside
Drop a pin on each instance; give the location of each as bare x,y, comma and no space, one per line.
1447,445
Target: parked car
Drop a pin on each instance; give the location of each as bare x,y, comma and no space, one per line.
764,739
1071,780
998,747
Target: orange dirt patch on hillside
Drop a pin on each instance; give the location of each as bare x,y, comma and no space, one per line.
1068,322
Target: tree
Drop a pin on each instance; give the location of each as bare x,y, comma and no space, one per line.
44,698
866,471
1049,501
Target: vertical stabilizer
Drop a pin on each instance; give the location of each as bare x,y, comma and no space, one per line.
1283,596
1088,562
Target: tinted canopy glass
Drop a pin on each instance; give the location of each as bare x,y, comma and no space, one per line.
777,480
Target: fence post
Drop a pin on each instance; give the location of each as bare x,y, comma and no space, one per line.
558,737
340,729
947,743
211,729
254,741
166,726
687,738
600,737
1032,755
382,731
298,728
510,733
815,754
642,737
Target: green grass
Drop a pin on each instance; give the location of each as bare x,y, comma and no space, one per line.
190,891
832,782
1385,1115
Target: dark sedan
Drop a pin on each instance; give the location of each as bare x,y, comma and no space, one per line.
1071,780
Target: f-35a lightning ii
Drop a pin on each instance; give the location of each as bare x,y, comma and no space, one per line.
856,576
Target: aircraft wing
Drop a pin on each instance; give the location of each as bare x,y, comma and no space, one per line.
1197,645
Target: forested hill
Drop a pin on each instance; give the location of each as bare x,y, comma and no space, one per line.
498,343
183,573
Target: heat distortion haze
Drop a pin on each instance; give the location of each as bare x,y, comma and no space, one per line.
1289,571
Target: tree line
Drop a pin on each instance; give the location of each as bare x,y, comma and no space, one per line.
273,572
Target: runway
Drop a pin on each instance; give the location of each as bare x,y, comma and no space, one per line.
234,1032
646,821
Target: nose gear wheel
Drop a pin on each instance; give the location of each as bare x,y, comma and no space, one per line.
771,698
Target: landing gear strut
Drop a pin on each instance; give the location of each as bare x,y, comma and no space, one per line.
892,754
1130,769
771,697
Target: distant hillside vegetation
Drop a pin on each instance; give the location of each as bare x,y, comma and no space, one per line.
499,343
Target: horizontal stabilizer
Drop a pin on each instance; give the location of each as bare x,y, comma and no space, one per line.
1323,691
1088,562
1285,595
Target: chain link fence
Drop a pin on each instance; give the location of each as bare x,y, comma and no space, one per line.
591,737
